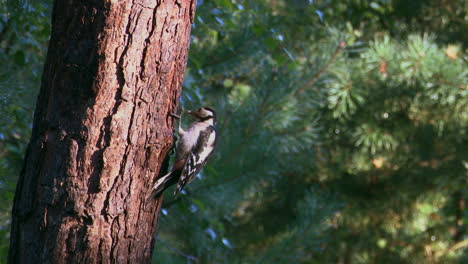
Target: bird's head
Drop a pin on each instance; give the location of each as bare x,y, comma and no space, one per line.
204,114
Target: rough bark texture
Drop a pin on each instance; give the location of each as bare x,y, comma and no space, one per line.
101,131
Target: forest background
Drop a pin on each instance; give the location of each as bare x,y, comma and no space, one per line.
343,130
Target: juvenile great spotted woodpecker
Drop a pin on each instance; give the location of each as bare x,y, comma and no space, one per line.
193,151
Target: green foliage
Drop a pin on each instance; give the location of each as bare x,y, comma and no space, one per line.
24,32
381,126
406,149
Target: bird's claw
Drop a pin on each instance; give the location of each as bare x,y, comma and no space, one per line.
177,116
174,115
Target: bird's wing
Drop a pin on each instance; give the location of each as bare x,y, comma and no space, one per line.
198,157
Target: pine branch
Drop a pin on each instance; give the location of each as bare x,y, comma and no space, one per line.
315,78
176,250
457,246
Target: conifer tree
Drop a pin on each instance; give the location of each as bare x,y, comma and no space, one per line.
328,153
323,155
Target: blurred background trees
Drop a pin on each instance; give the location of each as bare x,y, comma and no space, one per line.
328,153
24,32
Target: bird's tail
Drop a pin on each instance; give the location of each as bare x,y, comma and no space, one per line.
162,184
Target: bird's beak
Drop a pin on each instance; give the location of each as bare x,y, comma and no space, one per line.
193,113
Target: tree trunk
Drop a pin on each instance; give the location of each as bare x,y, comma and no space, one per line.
101,131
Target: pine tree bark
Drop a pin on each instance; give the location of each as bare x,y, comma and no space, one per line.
101,132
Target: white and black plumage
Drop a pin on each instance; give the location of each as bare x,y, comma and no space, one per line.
193,151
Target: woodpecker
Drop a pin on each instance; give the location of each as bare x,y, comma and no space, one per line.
193,151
